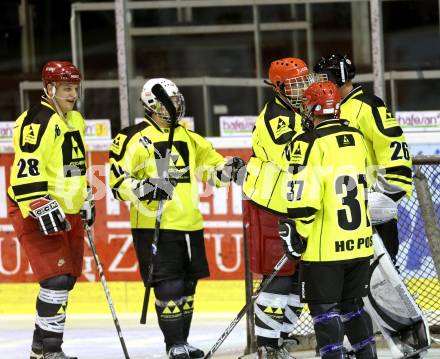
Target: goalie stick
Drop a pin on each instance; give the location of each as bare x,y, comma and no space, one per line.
106,290
163,97
242,312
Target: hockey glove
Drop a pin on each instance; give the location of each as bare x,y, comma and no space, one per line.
50,216
155,189
294,245
382,208
87,210
233,170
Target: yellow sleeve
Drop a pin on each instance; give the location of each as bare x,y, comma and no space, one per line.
124,163
273,131
389,147
207,160
305,186
33,145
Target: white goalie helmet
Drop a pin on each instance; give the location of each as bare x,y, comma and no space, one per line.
153,106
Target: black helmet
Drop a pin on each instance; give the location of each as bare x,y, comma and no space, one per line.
338,68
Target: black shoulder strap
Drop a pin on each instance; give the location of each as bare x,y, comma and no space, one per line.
33,127
119,145
274,110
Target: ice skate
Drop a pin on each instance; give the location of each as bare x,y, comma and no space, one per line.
267,352
36,353
57,355
194,352
179,351
283,353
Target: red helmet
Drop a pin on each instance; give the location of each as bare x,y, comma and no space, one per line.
60,71
290,76
323,98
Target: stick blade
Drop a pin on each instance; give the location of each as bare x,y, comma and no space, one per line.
162,96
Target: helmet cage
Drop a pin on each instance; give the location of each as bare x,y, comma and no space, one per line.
159,109
294,88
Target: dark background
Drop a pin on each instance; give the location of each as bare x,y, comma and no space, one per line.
411,42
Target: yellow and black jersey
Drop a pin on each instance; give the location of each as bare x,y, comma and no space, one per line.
327,192
275,127
50,158
135,155
384,137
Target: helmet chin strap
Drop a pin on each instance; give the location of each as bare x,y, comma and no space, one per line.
307,122
54,101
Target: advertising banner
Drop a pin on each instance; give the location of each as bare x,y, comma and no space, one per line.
223,229
98,129
420,121
236,126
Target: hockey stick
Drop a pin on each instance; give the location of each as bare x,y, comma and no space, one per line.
263,285
163,97
106,290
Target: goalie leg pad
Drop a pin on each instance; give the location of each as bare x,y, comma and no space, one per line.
169,306
358,328
51,311
393,308
328,329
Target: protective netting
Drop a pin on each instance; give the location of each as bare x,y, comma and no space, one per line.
415,260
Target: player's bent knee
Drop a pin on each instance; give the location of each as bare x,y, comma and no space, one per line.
61,282
328,329
190,286
317,309
169,289
350,305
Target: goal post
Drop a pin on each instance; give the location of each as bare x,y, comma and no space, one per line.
419,251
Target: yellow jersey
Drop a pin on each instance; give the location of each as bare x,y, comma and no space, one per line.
49,158
266,170
134,155
384,137
327,192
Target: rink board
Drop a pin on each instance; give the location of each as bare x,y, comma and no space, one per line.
212,296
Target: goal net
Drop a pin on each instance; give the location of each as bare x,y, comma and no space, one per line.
419,252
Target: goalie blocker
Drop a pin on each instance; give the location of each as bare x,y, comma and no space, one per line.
393,309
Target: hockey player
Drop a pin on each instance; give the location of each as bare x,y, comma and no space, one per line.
47,193
386,143
180,260
328,225
392,179
277,309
